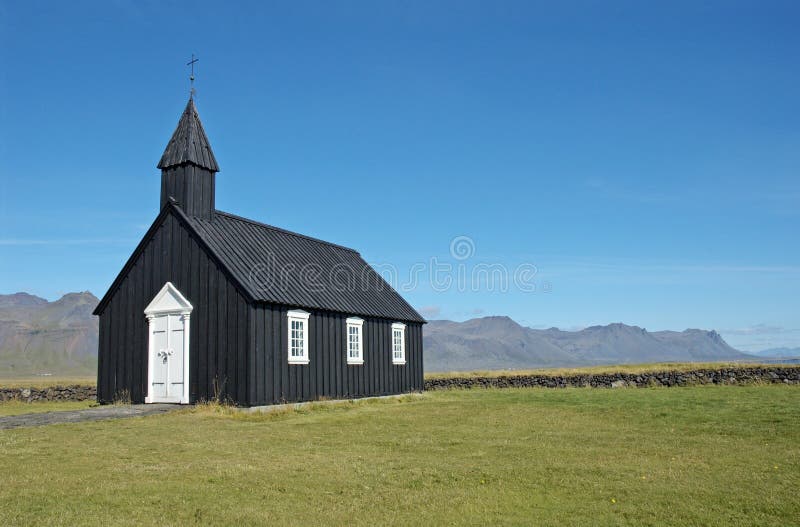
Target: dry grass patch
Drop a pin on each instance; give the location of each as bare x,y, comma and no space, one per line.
218,409
46,382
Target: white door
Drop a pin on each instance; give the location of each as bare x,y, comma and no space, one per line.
168,349
167,357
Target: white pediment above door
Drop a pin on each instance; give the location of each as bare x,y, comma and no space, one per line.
168,300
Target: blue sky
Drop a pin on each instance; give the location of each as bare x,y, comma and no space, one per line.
643,159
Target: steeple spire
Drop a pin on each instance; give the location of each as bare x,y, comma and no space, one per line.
188,167
189,143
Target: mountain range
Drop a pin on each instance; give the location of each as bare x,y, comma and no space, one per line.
493,343
60,337
781,353
37,336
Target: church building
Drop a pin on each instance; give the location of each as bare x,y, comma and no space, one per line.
211,305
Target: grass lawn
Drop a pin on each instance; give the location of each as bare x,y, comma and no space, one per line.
22,407
706,455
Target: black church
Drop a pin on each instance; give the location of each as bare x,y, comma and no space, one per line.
211,305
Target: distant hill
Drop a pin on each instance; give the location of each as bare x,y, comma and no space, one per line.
778,353
494,343
37,336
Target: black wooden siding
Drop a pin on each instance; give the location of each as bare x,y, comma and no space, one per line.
238,349
191,186
218,340
327,375
238,341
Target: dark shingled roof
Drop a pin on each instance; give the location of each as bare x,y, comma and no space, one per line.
283,267
277,266
189,143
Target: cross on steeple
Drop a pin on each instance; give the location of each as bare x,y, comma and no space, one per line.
191,77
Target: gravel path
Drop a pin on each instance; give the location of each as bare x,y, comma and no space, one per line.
90,414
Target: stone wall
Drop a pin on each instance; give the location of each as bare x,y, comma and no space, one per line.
743,375
74,392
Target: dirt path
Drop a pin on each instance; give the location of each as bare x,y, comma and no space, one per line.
90,414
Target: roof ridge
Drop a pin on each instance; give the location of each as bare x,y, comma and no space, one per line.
284,231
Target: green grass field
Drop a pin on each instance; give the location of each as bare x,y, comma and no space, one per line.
15,407
707,455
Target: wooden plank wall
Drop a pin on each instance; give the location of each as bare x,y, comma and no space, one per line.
274,380
193,187
238,350
219,339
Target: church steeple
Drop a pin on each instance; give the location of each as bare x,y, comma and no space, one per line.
188,166
189,143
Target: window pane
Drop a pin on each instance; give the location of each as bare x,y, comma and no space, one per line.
353,341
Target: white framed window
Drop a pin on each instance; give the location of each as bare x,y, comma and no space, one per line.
355,341
298,337
398,343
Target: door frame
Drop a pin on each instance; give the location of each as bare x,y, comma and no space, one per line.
168,301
